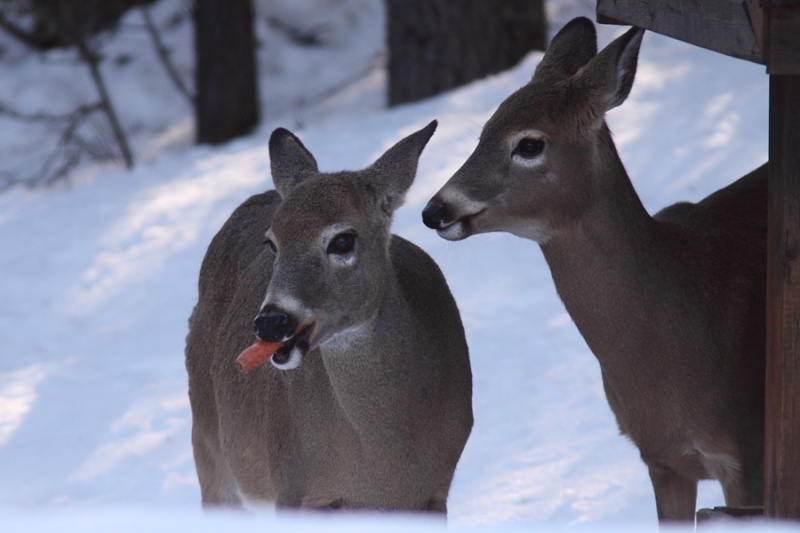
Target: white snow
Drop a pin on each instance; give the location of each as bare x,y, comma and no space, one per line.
99,279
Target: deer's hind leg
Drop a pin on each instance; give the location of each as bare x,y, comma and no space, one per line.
676,496
745,488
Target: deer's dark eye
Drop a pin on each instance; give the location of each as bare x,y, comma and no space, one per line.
271,245
342,243
529,148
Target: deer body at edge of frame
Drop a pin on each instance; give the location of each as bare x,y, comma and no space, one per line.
673,306
368,402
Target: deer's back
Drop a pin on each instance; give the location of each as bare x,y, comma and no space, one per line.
740,208
718,245
233,277
712,272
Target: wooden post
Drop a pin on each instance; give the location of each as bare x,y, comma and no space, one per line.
782,444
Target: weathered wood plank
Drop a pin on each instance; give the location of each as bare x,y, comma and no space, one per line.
771,3
782,444
720,25
783,40
718,514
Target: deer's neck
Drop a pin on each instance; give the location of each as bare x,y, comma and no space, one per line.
605,268
616,203
370,373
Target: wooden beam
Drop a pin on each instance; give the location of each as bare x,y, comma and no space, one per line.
762,31
782,36
782,432
720,25
755,12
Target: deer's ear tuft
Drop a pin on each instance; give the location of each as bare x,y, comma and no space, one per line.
394,172
290,160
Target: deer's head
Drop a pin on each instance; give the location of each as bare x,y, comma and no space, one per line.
531,173
330,237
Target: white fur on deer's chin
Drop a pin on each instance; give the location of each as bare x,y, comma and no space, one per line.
456,231
295,358
339,342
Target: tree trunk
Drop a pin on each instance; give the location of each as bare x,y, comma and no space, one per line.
435,45
226,73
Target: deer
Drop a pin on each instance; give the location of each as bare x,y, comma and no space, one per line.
671,305
368,402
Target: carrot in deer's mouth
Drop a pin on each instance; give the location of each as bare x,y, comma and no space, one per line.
257,354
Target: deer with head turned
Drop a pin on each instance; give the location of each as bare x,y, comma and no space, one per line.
672,305
367,403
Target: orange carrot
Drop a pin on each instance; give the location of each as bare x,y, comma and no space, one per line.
256,355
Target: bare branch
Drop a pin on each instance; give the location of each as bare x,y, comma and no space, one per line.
163,55
93,62
75,27
378,60
77,113
68,148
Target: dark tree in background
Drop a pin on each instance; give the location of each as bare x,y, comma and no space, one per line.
57,23
226,73
435,45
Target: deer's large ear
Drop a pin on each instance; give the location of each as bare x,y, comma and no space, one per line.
393,173
290,162
607,79
571,48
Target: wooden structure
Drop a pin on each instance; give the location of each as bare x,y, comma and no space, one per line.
766,32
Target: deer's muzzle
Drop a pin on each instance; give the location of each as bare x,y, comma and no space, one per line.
434,214
274,326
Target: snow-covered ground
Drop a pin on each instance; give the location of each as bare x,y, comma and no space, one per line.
99,279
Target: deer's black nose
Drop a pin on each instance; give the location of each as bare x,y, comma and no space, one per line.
433,214
274,326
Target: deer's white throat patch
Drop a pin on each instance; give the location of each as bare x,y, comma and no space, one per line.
342,340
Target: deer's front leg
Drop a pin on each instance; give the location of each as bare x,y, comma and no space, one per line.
676,496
